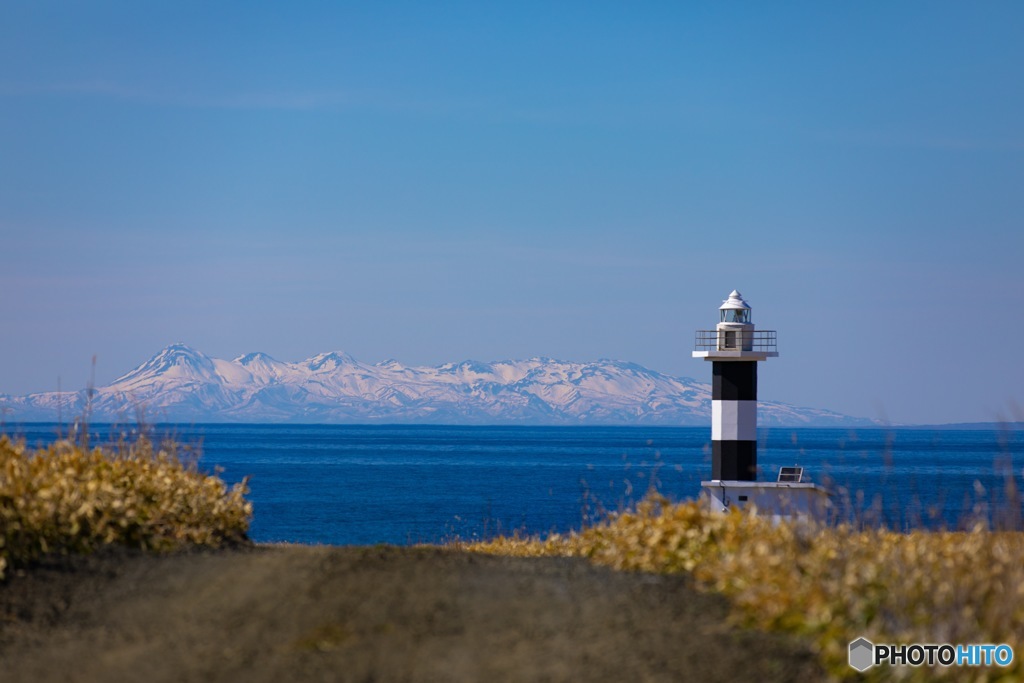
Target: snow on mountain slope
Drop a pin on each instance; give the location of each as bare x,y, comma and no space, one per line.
182,384
175,364
263,370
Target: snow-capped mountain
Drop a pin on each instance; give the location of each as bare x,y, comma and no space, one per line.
185,385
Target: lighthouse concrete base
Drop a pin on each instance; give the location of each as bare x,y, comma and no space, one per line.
778,500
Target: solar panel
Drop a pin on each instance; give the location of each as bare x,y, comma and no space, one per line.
791,475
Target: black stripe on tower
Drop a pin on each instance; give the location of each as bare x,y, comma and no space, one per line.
734,380
733,460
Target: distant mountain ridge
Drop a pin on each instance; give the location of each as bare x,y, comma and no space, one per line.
181,384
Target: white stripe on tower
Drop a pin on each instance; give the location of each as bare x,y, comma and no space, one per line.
734,420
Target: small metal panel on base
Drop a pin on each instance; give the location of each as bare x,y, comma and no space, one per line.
778,500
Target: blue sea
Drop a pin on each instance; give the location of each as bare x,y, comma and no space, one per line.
409,484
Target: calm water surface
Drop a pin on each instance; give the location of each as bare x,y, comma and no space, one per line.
344,484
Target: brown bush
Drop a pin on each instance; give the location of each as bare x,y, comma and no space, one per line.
69,499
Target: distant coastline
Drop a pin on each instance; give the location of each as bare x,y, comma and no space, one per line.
5,425
1010,426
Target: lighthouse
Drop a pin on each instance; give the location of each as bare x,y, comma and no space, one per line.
734,348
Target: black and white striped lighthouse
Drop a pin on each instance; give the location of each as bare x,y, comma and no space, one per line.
734,348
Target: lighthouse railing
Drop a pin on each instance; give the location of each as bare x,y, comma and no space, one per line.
756,340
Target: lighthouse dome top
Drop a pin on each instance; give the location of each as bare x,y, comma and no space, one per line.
734,302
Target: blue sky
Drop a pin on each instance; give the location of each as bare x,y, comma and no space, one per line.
436,182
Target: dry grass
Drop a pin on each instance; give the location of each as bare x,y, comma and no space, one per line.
829,584
68,498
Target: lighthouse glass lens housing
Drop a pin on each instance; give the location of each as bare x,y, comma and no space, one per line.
736,315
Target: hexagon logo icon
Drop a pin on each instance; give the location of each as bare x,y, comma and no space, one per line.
862,654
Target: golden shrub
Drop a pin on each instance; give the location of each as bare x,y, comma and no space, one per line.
829,584
69,499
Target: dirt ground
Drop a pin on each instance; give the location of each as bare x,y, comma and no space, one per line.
308,613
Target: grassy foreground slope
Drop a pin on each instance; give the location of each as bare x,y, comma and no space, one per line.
375,613
830,584
68,499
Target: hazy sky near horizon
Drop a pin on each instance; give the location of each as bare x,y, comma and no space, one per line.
437,182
